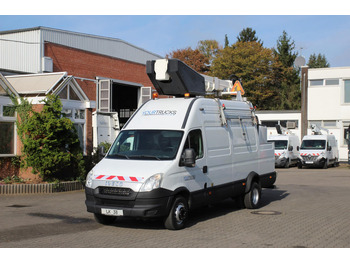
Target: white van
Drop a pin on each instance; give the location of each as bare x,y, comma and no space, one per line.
318,150
286,148
179,153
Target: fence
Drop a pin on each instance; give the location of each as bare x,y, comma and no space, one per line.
13,189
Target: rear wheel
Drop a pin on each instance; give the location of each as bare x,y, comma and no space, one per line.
105,220
252,198
178,214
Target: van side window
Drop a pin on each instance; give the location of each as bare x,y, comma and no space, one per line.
194,140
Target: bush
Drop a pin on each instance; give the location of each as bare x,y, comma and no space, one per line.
50,142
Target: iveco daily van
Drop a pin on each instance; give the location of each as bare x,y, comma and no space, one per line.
179,153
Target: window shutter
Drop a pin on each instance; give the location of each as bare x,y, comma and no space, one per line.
104,95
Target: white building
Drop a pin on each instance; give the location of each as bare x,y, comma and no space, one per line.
329,102
327,105
290,119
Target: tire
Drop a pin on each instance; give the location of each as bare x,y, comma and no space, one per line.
287,164
336,162
104,220
178,214
325,166
252,198
300,166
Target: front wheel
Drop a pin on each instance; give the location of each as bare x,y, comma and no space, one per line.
252,198
178,214
325,165
287,164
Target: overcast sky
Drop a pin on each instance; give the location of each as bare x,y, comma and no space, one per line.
315,29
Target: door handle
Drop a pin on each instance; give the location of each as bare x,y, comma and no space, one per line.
205,169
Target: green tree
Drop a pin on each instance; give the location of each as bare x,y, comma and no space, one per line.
318,61
226,41
248,35
285,47
209,48
289,89
50,142
193,58
256,66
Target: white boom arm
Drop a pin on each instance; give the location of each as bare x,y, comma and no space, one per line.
317,130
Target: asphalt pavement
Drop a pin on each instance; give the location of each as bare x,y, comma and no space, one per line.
308,208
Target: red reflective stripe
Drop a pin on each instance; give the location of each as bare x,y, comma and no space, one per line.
99,177
133,179
121,178
110,177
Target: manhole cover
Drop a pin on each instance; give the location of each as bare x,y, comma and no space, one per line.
266,213
17,206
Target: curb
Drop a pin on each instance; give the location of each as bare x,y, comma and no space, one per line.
15,189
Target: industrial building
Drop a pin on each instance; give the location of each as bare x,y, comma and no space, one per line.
110,72
102,81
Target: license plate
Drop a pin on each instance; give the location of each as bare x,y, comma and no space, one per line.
309,162
111,212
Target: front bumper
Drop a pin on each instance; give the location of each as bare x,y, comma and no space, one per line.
319,162
146,204
280,162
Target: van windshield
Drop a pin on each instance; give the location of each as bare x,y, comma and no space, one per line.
146,145
313,144
280,144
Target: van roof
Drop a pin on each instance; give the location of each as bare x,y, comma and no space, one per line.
317,137
160,114
174,113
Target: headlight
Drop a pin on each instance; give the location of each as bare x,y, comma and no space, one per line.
89,179
151,183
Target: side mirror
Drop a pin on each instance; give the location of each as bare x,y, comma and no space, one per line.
290,148
329,148
298,148
189,157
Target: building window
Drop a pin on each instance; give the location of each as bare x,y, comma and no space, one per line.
78,118
347,91
7,138
329,123
9,111
318,82
346,126
7,130
290,124
324,123
80,130
69,93
269,123
332,82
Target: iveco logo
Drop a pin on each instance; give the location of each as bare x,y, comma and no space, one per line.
114,183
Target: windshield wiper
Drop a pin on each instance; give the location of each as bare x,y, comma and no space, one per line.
145,156
118,155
